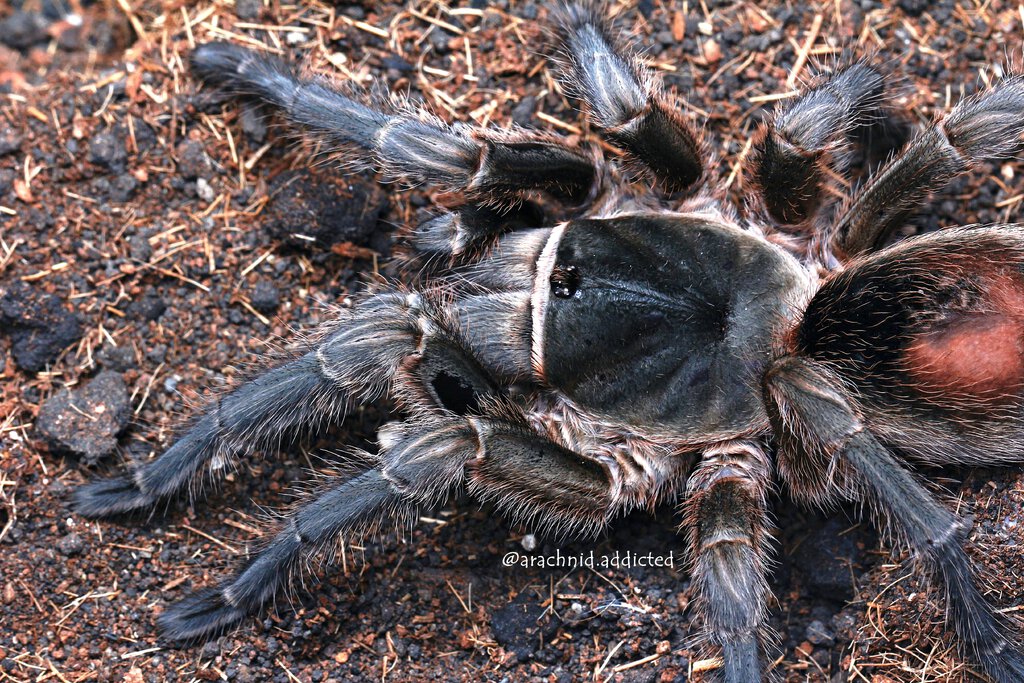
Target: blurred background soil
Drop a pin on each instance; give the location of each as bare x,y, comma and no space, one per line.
157,242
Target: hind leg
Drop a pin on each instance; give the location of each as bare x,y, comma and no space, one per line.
987,126
828,453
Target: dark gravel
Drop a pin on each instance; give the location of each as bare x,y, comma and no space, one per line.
193,162
22,30
10,140
826,557
108,150
311,212
265,297
38,324
520,627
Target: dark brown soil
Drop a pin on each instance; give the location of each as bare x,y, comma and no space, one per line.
153,239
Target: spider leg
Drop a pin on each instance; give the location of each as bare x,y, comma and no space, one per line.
825,446
358,501
291,394
358,357
982,127
625,101
420,462
456,236
489,166
727,519
792,152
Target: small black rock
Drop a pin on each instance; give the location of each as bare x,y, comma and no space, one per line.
145,137
22,30
254,123
515,626
86,421
107,149
265,297
149,307
7,177
39,325
397,63
71,545
522,113
819,634
914,8
310,210
123,187
248,10
139,248
192,160
116,358
10,140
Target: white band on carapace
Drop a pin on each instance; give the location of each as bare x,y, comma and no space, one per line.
539,298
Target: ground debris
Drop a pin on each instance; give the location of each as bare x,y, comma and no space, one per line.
86,421
114,255
39,325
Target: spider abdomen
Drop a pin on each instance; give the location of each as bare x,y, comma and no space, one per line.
976,358
931,334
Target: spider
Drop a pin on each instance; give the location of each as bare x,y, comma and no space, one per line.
653,346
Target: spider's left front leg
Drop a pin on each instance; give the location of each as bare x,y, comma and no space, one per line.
727,521
488,166
420,462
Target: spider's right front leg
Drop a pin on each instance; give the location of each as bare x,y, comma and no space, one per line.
486,165
358,357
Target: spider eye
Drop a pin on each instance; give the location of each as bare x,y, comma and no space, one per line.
565,281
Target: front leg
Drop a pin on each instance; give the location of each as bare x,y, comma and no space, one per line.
493,452
727,520
489,166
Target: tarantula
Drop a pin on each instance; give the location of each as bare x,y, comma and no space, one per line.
654,346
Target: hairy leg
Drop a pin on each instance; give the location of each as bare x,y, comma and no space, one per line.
793,152
359,357
827,452
457,236
625,101
489,166
727,520
420,462
986,126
